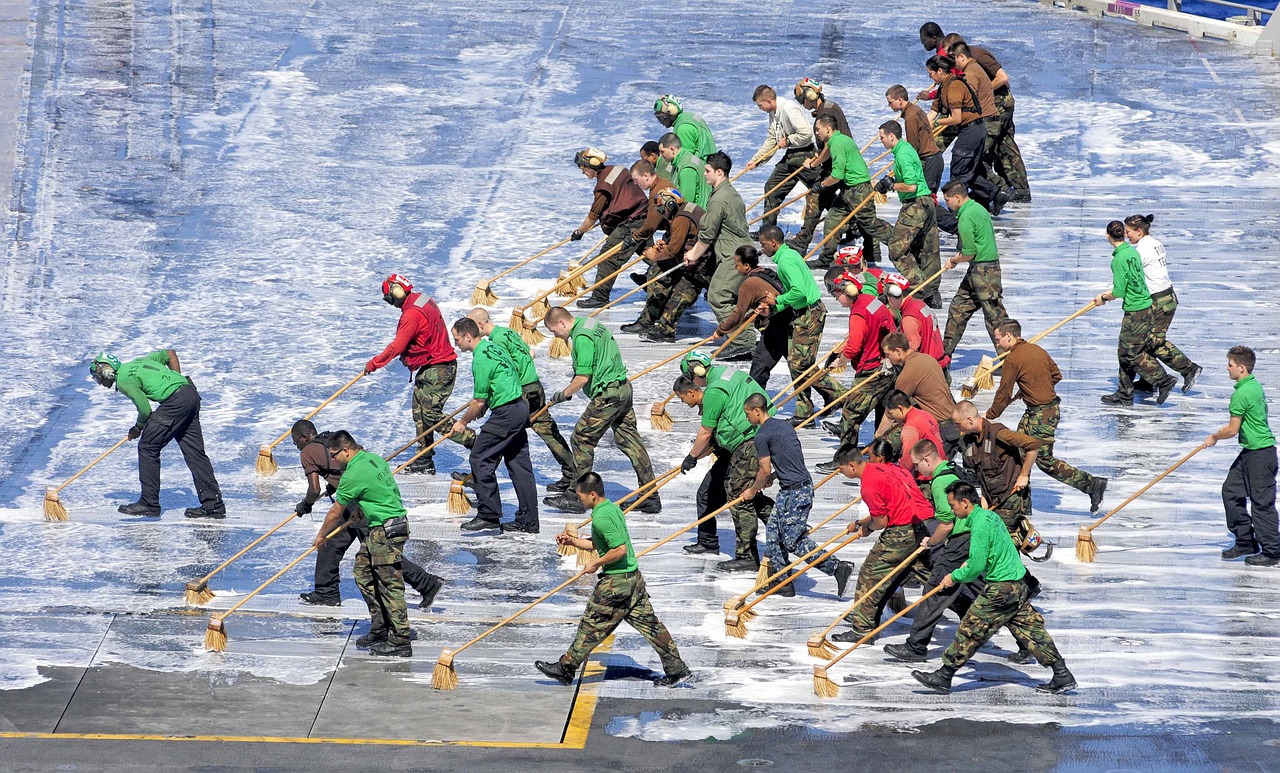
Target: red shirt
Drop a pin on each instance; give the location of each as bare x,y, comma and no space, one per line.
421,338
920,425
869,322
890,492
921,329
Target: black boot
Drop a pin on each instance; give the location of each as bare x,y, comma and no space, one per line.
1062,680
905,653
556,670
429,591
1022,656
938,681
1096,491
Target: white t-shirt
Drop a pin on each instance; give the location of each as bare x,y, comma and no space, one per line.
1154,267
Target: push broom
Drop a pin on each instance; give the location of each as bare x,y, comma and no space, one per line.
445,675
538,306
53,507
772,190
818,645
659,419
984,376
570,279
559,346
736,616
197,591
483,294
1086,548
266,464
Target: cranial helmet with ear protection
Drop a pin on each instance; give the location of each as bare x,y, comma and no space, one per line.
667,105
104,368
590,158
667,201
848,284
808,90
396,288
696,363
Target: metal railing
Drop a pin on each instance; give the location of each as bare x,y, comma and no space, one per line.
1254,12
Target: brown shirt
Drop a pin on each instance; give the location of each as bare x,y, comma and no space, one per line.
954,98
919,132
977,78
682,233
990,65
921,378
751,293
1032,371
652,220
995,454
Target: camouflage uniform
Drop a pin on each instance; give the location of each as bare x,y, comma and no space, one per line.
787,531
611,409
861,403
791,161
432,387
1008,157
1134,352
658,294
744,463
619,597
1163,306
814,205
616,261
1001,604
683,295
1015,511
802,353
913,248
873,229
1041,421
892,548
378,576
546,428
980,289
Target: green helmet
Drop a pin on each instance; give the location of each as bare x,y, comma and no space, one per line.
104,368
695,363
668,105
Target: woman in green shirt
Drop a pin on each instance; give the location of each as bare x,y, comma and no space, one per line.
1134,350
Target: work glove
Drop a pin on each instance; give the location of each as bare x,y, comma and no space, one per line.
135,432
330,490
559,397
831,358
628,244
886,367
302,508
575,236
884,184
690,461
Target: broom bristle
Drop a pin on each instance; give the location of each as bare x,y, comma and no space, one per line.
564,285
763,572
53,508
215,635
881,198
266,464
572,530
538,309
482,295
819,647
823,687
198,593
968,389
459,504
735,626
1086,548
560,348
983,376
444,676
576,281
584,557
659,419
839,368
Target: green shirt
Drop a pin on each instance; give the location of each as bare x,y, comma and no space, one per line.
367,482
518,350
695,135
944,476
847,163
977,237
596,355
148,379
908,170
991,551
1250,403
608,531
664,169
799,290
1127,279
722,408
493,375
724,224
690,180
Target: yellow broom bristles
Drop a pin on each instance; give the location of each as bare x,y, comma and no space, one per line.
567,550
198,593
444,676
838,368
53,508
735,626
215,635
576,281
564,285
560,348
983,377
659,419
763,572
537,310
459,504
1086,548
266,464
882,198
823,687
528,333
483,295
819,647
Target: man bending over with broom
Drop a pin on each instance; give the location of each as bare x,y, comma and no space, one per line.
620,592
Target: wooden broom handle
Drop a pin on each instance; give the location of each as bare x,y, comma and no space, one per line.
426,432
838,401
644,286
280,573
666,478
597,283
807,383
927,282
881,627
319,407
579,271
770,192
733,503
247,548
792,578
812,529
804,374
1144,489
526,262
738,331
90,465
443,437
1090,306
872,589
661,481
780,207
750,317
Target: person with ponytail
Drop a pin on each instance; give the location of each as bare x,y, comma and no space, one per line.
1137,229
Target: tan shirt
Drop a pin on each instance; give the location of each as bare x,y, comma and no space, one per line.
977,78
921,378
919,132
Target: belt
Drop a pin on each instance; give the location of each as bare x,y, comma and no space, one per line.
631,573
1162,293
611,385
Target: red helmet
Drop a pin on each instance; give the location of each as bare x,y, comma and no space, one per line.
896,280
395,287
849,256
848,283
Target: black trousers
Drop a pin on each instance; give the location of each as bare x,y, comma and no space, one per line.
1252,480
967,165
946,558
177,418
504,437
771,347
933,173
710,497
329,559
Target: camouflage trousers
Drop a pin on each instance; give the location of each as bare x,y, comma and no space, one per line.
1013,508
1041,421
1134,353
619,597
1008,157
815,204
744,463
861,403
610,410
1001,604
1163,307
893,547
797,337
683,295
618,259
980,289
865,223
791,161
546,428
378,576
913,247
786,533
432,387
658,294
